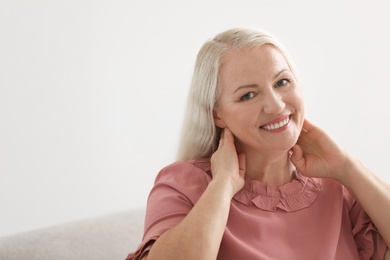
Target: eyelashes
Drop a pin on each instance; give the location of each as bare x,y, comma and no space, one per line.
280,83
247,96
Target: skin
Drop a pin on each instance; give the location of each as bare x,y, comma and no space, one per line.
317,155
257,87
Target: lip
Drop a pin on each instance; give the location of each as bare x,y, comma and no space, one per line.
277,120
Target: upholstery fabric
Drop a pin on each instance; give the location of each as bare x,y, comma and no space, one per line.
105,237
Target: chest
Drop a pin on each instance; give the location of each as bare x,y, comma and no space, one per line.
320,231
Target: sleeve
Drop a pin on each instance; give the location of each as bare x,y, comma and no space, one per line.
175,192
369,242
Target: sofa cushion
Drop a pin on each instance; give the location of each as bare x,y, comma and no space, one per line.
107,237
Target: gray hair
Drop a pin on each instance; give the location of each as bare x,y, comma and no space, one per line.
200,136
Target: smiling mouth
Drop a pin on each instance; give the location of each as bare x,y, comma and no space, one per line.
276,125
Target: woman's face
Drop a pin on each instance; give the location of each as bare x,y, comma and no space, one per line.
260,100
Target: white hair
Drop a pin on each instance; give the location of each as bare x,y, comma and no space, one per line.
200,136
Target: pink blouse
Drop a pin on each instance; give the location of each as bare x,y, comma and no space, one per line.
307,218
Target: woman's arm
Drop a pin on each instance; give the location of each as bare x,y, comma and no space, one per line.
317,155
372,193
199,234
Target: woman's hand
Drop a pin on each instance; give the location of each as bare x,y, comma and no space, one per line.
317,155
207,220
226,166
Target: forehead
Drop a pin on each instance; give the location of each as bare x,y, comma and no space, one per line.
258,59
256,66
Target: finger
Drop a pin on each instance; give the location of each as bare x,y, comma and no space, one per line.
308,126
242,163
221,137
296,153
228,135
297,158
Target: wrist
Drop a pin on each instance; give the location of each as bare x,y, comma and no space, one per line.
348,171
223,187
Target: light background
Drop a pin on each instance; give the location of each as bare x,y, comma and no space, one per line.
92,92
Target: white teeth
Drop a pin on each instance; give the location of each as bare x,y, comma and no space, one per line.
276,125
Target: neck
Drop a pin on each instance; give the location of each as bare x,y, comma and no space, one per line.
270,168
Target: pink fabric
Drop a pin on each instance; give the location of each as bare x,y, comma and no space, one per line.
305,219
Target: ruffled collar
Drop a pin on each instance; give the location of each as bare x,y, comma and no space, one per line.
298,194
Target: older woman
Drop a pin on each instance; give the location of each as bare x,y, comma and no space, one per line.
255,180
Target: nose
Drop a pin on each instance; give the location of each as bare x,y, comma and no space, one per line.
273,103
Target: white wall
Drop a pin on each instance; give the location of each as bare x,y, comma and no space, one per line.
92,92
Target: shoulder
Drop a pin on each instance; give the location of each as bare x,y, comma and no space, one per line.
186,177
334,193
193,169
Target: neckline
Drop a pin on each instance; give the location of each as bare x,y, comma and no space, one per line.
295,195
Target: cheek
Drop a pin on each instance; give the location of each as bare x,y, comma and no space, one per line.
240,121
297,102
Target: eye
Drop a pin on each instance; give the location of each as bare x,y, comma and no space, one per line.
247,96
282,82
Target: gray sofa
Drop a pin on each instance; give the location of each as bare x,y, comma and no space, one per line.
107,237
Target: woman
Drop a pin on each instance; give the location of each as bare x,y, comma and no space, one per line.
255,180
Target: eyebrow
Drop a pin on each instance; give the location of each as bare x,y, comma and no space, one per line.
255,85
